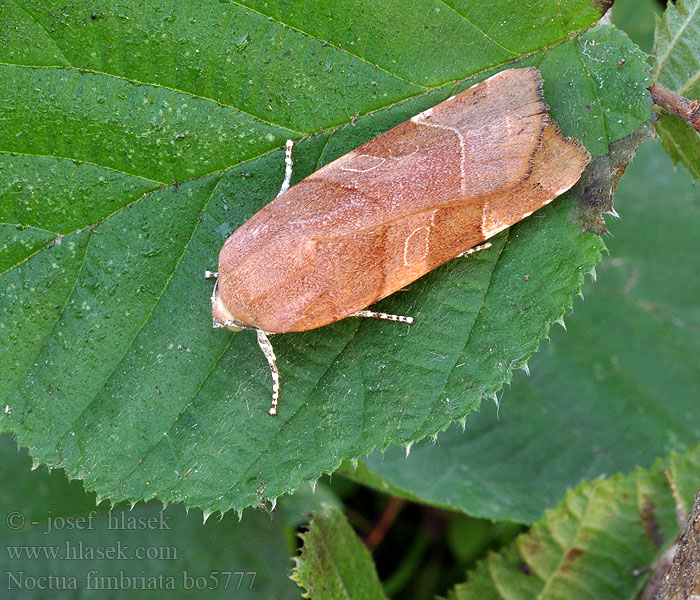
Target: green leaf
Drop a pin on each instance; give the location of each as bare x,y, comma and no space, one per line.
334,563
51,527
592,543
618,390
677,66
137,136
680,141
298,507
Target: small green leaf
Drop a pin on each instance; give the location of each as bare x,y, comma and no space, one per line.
334,563
593,543
677,66
680,141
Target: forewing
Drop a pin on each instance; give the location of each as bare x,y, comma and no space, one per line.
478,142
383,215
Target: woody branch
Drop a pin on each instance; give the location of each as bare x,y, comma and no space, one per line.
688,110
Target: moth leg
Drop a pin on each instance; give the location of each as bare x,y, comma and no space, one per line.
380,315
475,249
287,168
266,347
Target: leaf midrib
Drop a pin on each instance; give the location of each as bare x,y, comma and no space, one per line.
138,82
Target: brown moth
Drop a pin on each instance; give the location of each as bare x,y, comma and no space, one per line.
383,215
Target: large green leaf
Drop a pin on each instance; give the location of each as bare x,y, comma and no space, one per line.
678,68
595,542
334,563
137,136
57,544
619,389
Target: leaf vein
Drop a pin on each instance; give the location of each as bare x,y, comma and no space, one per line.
133,81
296,410
667,22
50,332
147,317
327,43
469,335
63,56
481,31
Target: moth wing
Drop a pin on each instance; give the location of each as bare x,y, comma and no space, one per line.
381,216
480,141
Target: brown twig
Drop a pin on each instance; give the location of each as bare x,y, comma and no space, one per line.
391,511
688,110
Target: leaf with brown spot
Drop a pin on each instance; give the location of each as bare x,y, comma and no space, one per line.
682,580
651,525
596,188
597,521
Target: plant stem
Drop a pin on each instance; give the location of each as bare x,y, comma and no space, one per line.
688,110
391,511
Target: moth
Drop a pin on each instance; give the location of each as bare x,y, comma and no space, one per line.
381,216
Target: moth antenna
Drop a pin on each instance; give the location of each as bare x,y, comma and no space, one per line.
380,315
213,291
287,167
266,347
216,324
475,249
